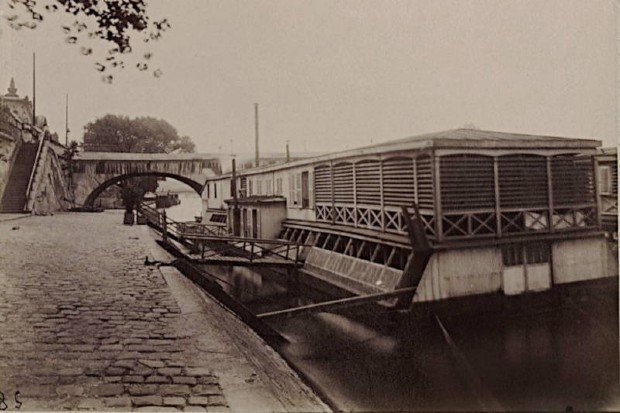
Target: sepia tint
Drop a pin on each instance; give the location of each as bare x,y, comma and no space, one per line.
308,206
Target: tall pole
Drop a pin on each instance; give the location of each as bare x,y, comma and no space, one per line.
233,183
34,89
288,153
256,133
235,216
67,119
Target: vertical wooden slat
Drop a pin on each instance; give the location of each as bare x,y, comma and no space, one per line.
424,184
398,181
466,182
331,179
415,181
597,194
381,203
550,194
354,198
437,198
498,211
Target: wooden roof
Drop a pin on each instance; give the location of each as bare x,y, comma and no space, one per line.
608,151
450,139
456,138
124,156
258,199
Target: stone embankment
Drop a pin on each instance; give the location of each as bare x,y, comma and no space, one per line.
86,325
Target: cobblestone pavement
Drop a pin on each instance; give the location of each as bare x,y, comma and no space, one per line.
86,325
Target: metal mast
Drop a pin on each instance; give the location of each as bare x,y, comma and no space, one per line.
67,119
34,89
256,157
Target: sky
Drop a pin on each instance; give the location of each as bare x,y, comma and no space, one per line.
332,75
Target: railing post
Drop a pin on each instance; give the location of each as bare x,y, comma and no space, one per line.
550,206
33,173
498,209
288,247
251,251
164,232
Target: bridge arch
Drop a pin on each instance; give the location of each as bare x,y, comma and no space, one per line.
90,200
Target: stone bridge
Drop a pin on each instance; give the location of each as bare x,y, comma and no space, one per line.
96,172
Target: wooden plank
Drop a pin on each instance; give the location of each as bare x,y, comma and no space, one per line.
336,304
382,199
242,239
333,198
415,181
355,217
498,212
417,262
357,233
550,195
239,262
437,197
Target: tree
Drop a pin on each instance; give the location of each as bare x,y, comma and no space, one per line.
114,133
111,21
186,145
134,189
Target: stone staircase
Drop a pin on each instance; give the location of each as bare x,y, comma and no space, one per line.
15,197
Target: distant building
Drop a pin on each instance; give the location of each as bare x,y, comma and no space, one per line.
32,178
20,107
22,110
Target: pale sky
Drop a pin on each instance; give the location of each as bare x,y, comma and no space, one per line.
330,75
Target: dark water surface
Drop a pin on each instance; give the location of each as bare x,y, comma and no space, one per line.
544,358
537,357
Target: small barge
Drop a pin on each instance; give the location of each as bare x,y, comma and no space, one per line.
163,200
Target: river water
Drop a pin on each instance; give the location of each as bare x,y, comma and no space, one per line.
531,356
190,206
537,354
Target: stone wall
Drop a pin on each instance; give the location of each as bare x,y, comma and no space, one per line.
7,150
49,191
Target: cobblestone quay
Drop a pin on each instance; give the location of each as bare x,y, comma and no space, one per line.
86,325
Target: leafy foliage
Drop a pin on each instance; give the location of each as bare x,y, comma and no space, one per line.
71,150
113,133
133,190
112,21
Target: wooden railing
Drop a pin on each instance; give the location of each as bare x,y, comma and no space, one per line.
250,248
180,229
212,241
35,171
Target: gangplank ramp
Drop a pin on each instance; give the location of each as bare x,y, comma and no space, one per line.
208,244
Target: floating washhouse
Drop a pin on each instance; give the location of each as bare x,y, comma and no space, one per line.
607,168
506,213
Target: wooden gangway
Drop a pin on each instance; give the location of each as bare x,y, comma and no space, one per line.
211,244
221,250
